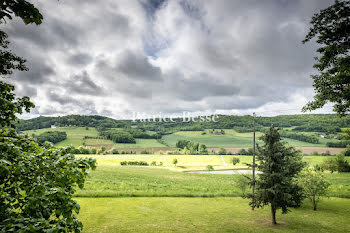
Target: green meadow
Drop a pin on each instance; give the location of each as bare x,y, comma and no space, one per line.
223,214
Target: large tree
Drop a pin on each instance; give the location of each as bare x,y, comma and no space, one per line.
276,185
37,183
331,28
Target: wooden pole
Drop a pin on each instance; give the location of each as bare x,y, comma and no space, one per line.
253,186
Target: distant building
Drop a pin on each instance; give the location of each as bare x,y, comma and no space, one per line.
323,135
53,126
134,126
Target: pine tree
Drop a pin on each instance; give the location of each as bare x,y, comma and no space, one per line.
276,184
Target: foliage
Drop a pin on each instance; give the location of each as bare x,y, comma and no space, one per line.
340,144
175,161
300,137
235,160
37,185
210,167
314,185
191,147
51,136
134,163
222,151
338,163
279,165
242,183
118,136
332,29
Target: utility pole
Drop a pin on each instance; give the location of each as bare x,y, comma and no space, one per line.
253,186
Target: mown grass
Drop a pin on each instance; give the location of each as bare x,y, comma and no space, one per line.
75,135
231,138
225,214
133,181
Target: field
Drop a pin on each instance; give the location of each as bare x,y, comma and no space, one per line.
226,214
75,135
231,139
166,199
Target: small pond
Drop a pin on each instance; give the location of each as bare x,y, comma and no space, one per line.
228,172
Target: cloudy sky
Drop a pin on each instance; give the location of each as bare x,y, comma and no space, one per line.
114,58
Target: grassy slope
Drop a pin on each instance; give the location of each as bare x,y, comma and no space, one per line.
230,139
117,181
207,215
75,135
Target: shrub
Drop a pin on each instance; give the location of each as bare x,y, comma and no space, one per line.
134,163
210,168
235,160
222,151
154,163
175,161
115,151
93,150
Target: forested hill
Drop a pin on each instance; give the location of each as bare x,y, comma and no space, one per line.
328,123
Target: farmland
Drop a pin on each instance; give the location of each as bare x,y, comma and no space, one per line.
167,199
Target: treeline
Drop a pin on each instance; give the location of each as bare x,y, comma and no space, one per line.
117,136
71,120
326,129
300,137
127,135
192,148
327,123
51,136
340,144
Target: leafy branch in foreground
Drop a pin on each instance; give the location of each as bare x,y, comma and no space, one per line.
331,27
37,185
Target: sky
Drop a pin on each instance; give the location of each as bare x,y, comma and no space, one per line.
120,57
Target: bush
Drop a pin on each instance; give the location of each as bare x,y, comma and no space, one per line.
222,151
134,163
340,144
93,150
235,160
154,163
145,152
115,151
210,168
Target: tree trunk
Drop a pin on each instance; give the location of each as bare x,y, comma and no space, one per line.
273,215
314,203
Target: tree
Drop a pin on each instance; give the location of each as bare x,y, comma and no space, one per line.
210,167
37,182
331,27
242,182
314,185
175,162
279,165
235,160
222,151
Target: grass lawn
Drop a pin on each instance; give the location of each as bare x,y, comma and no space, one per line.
111,180
225,214
75,135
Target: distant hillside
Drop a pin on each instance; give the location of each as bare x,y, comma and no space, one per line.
71,120
328,123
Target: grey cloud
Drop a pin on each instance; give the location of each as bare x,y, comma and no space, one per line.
62,99
137,66
83,84
79,59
